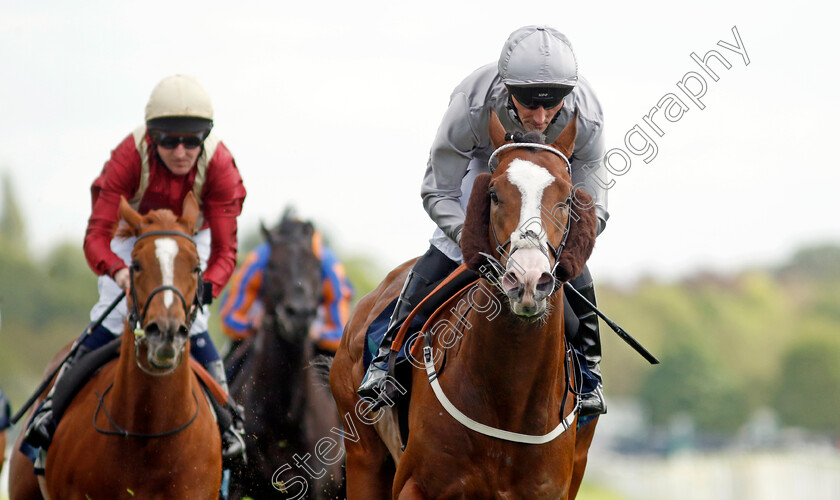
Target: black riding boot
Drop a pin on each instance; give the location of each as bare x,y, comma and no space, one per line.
39,432
588,342
428,271
233,441
374,384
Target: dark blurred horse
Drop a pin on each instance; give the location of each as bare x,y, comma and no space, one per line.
141,427
500,420
289,412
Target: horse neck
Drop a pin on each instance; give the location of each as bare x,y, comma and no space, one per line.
279,369
143,403
515,366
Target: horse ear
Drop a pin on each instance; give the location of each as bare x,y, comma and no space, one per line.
497,131
131,216
189,212
267,236
475,234
565,142
583,227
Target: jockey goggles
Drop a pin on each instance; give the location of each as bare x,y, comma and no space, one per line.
168,140
532,97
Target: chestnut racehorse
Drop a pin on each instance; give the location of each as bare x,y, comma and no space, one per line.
141,427
500,420
288,408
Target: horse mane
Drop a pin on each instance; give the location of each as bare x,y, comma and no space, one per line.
532,137
475,238
163,218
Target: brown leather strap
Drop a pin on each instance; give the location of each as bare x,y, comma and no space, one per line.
417,348
400,337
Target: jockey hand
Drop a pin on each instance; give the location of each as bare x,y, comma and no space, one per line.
123,279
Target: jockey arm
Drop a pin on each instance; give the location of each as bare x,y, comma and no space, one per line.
335,304
449,159
222,199
120,177
241,309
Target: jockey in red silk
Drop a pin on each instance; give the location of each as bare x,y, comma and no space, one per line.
534,87
173,153
241,309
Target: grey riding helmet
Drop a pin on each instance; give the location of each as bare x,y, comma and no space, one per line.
538,66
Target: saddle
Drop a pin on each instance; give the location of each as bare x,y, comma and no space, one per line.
82,371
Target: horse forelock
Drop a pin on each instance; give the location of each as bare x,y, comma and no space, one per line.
163,219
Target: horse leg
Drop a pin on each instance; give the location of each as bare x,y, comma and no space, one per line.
370,470
411,491
583,439
23,483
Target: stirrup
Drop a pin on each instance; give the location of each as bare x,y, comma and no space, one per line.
372,382
39,432
233,438
233,446
592,403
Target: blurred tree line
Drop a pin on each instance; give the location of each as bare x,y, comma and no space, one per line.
729,344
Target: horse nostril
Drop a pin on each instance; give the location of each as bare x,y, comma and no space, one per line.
183,331
511,285
545,286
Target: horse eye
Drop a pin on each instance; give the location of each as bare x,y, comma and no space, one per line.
136,267
197,270
494,197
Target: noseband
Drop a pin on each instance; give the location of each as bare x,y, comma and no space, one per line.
137,318
529,234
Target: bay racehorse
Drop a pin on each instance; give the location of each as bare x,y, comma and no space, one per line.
492,412
288,408
141,427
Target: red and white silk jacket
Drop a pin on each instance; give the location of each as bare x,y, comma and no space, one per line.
136,171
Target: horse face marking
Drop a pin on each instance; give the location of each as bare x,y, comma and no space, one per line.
165,250
529,266
531,179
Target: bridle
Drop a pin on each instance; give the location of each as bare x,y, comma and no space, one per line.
529,234
136,317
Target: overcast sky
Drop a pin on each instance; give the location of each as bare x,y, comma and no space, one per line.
332,106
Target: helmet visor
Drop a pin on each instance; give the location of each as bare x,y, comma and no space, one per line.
180,124
532,97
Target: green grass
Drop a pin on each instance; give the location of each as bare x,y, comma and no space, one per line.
589,491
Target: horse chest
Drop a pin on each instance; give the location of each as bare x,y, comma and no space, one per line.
467,468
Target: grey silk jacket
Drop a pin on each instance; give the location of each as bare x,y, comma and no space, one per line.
462,147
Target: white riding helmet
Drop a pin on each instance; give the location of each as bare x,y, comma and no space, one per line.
538,56
179,103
